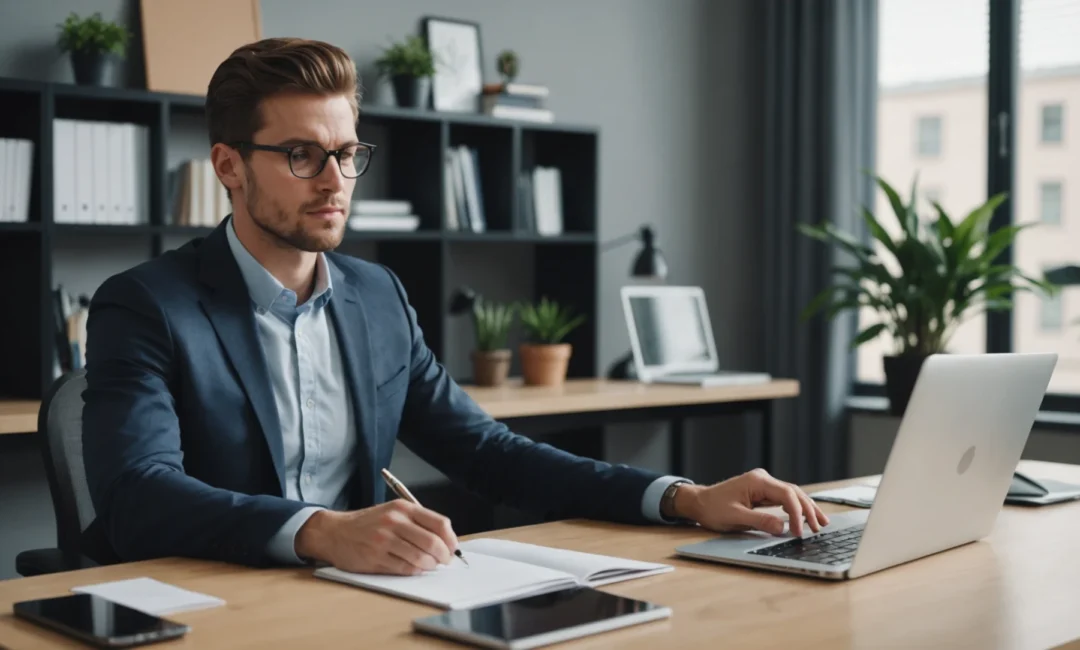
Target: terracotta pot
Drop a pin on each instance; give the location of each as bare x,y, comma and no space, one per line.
544,364
490,367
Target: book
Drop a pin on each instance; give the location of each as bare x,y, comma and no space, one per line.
151,596
498,571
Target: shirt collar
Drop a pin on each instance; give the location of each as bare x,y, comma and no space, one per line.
263,287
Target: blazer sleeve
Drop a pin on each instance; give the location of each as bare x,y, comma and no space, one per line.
444,426
146,505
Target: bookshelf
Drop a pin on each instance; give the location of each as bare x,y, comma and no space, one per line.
409,166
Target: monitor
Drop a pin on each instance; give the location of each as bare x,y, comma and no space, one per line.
670,331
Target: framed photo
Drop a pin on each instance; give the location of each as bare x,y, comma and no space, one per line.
459,72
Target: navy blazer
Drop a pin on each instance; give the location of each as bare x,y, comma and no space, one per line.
182,446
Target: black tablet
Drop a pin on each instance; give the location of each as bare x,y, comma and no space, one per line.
541,620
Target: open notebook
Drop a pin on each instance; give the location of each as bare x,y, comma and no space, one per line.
500,570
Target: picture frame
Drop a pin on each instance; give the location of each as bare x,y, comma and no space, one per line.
459,64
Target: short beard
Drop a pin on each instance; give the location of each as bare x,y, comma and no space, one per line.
275,224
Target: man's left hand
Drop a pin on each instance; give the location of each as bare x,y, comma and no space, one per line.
729,505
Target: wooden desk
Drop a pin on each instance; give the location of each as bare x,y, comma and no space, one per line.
579,402
594,402
18,416
1016,589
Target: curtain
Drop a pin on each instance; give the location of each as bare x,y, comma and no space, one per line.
821,78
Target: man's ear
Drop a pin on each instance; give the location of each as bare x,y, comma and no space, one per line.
228,166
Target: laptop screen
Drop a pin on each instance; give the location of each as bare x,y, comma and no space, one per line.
670,329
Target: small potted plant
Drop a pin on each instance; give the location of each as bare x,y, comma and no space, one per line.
92,42
409,65
545,357
491,358
508,65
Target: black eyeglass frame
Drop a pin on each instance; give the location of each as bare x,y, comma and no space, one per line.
287,150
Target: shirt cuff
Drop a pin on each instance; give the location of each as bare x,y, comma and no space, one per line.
650,502
282,546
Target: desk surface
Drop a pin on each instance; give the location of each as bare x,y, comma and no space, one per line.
18,416
1016,589
516,400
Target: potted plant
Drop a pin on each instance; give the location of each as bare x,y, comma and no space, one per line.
544,357
91,42
409,65
936,273
491,358
507,64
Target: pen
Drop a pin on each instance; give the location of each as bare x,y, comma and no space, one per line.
399,489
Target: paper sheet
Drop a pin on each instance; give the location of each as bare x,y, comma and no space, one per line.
150,596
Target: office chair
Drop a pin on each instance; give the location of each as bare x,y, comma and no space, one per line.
60,436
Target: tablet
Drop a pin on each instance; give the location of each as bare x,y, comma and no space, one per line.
541,620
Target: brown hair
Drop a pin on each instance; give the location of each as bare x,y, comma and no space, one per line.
259,70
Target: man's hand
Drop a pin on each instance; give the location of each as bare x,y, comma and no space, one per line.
396,537
729,505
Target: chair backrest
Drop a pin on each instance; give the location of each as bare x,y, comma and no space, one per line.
60,431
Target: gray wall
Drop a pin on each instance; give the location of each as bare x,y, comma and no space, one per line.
674,87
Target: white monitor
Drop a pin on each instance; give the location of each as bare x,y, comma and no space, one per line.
669,329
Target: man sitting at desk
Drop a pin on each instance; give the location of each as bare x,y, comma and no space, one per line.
245,390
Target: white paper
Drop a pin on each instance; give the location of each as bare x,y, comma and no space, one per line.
150,596
862,494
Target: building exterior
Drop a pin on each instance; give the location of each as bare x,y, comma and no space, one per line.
937,130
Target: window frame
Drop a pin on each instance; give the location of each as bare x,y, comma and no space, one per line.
1061,123
1003,74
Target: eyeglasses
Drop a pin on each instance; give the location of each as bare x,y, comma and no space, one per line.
307,160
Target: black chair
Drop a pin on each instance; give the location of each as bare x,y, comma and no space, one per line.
60,436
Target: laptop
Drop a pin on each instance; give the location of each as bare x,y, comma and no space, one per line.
944,482
671,338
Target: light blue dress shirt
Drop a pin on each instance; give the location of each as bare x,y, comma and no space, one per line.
318,429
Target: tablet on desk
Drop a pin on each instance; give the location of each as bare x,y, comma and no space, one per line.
541,620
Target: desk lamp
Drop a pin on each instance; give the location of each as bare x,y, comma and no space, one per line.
649,264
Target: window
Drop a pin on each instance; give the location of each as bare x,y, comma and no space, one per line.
1050,202
1052,314
1053,116
929,142
921,91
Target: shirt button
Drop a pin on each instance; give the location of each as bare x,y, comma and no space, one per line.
311,403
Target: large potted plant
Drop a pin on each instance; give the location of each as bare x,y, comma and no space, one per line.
545,356
491,358
927,280
409,65
92,43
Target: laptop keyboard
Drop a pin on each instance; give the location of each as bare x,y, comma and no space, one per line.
834,547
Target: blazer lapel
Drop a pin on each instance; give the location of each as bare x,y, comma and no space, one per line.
351,324
228,306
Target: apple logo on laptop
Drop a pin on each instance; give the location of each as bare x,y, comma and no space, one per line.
965,460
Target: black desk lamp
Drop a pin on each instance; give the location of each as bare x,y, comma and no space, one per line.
649,264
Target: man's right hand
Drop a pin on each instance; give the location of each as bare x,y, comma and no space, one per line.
396,537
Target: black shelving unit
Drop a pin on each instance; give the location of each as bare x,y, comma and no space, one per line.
411,149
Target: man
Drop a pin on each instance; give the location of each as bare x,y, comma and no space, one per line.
245,391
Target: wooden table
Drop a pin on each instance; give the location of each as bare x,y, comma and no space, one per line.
593,402
578,402
1016,589
18,416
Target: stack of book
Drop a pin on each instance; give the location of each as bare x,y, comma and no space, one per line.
100,172
463,190
516,101
196,195
387,214
540,200
16,169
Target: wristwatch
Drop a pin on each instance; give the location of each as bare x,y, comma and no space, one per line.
667,502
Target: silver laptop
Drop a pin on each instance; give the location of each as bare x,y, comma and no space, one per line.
944,482
672,339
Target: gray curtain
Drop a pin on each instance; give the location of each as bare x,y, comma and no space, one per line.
821,78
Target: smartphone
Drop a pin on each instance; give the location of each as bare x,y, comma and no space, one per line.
99,622
536,621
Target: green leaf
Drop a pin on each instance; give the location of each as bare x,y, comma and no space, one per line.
904,214
878,231
868,334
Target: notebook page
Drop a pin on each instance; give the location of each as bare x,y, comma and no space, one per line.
150,596
588,568
485,580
